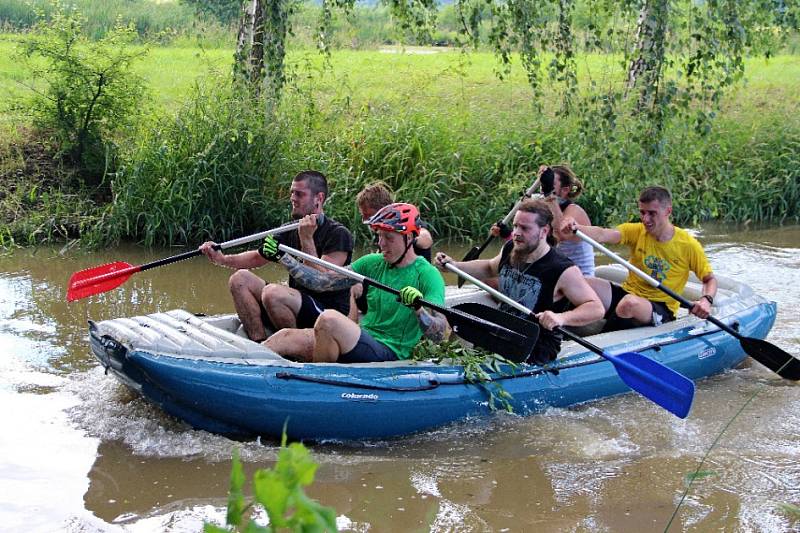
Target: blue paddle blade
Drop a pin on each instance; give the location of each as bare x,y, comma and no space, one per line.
657,382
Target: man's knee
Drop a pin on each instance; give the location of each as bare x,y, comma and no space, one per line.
241,279
633,307
328,321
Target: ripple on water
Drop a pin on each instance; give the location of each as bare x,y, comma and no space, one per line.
109,411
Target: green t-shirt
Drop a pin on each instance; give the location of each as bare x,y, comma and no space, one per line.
387,320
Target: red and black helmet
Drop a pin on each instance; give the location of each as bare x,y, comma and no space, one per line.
398,217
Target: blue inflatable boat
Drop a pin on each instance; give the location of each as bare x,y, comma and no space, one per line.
205,371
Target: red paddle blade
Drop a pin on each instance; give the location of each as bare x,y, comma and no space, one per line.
99,279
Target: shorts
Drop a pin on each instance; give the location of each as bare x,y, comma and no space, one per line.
368,350
661,313
310,309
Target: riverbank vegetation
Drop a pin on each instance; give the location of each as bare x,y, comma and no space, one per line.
203,159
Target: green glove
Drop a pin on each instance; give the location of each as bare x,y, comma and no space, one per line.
269,249
410,296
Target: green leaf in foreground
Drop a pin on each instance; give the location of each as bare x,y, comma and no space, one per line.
280,491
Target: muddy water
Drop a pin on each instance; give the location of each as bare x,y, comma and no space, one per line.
78,452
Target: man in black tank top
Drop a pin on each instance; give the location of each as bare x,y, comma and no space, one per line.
536,275
265,308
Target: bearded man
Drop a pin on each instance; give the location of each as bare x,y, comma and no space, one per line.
533,273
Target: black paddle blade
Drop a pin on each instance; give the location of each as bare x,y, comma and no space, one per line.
772,357
473,254
500,332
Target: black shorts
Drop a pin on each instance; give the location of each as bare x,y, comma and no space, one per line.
310,309
368,350
661,313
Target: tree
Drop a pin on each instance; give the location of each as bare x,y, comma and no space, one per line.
87,90
685,55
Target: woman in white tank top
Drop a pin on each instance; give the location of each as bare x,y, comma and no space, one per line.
560,196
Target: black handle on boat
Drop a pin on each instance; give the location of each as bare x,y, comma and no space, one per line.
516,346
776,359
476,251
659,383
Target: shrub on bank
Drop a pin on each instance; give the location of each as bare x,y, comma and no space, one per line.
218,170
205,173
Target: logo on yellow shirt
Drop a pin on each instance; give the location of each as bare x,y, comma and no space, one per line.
658,267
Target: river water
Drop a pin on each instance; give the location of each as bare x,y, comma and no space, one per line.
79,452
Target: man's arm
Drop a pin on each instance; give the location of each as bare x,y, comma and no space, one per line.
605,235
587,306
702,307
479,268
305,231
313,279
243,260
434,325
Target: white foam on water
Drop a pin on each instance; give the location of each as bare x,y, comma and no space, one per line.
111,412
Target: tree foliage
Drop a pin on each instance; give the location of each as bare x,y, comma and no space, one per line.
86,90
678,56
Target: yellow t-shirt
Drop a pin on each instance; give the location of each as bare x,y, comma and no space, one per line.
668,262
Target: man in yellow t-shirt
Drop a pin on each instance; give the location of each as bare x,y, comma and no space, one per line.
666,252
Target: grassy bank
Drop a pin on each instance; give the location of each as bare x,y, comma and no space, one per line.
439,127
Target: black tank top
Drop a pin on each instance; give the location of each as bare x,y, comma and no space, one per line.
533,285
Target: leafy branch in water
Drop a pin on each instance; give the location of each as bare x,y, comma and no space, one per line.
280,491
479,366
791,510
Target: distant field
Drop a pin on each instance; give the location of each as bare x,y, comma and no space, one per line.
442,82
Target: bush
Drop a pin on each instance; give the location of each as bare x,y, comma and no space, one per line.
89,92
209,172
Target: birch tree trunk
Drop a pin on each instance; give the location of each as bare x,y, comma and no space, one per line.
261,47
646,67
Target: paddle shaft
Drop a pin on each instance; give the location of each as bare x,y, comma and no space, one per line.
353,275
180,257
476,251
515,345
657,382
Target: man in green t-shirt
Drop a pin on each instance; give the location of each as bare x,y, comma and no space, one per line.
390,329
659,248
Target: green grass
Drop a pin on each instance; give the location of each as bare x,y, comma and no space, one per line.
446,82
441,128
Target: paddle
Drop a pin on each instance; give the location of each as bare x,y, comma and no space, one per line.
766,353
653,380
103,278
476,251
516,346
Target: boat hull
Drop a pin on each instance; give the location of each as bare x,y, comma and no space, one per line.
247,394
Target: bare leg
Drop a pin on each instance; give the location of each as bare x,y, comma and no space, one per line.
295,344
246,289
603,289
282,305
635,308
334,334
